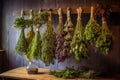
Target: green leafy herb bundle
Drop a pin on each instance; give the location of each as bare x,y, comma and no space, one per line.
30,33
48,44
82,72
20,23
29,38
40,18
78,44
34,49
92,29
21,45
105,40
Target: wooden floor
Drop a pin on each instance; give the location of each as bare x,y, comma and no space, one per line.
21,74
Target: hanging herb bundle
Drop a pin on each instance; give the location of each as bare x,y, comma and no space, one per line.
21,46
20,23
30,33
59,38
34,48
40,18
69,31
78,44
104,41
48,44
92,30
30,36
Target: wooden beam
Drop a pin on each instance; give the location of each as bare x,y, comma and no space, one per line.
114,8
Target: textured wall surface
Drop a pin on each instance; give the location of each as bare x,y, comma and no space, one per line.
10,35
0,21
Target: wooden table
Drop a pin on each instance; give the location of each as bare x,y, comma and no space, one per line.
21,74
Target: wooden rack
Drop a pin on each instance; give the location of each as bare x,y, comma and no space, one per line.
114,8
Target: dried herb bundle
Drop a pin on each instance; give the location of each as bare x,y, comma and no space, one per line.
69,31
21,46
78,44
30,34
29,38
48,44
104,41
20,23
92,30
40,18
34,49
59,39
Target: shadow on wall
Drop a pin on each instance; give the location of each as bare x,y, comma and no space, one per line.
5,62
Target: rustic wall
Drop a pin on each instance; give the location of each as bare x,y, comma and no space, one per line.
10,35
0,20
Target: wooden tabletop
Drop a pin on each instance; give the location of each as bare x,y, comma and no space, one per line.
21,73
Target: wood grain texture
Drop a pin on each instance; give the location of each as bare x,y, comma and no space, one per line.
69,3
49,4
43,74
63,3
